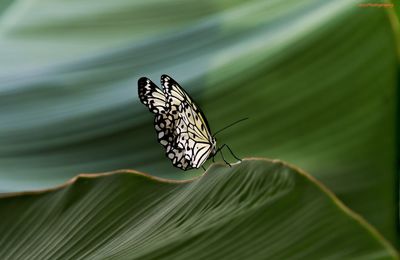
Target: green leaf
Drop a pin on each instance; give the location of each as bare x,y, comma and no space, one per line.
257,209
317,78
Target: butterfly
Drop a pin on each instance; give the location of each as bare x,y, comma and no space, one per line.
181,126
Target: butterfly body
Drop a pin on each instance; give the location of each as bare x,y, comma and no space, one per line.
182,129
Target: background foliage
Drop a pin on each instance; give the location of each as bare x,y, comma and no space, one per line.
317,78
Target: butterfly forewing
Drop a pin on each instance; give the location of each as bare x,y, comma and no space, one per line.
151,96
192,130
178,100
164,122
198,146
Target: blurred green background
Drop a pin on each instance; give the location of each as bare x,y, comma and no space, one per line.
318,80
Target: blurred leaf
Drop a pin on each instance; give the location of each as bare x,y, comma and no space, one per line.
258,209
317,79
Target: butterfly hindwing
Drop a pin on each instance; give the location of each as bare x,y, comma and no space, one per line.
164,128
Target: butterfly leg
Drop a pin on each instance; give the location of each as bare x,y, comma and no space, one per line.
222,154
213,157
237,158
203,168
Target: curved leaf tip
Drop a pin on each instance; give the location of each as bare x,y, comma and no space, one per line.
257,209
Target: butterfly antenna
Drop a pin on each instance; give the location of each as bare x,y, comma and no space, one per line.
232,124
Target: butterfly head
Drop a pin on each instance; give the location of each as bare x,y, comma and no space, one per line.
213,146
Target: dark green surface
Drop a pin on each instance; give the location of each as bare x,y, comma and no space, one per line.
317,79
258,209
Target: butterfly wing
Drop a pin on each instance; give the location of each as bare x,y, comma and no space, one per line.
164,123
151,96
191,128
197,144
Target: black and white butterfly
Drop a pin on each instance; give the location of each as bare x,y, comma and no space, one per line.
180,124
